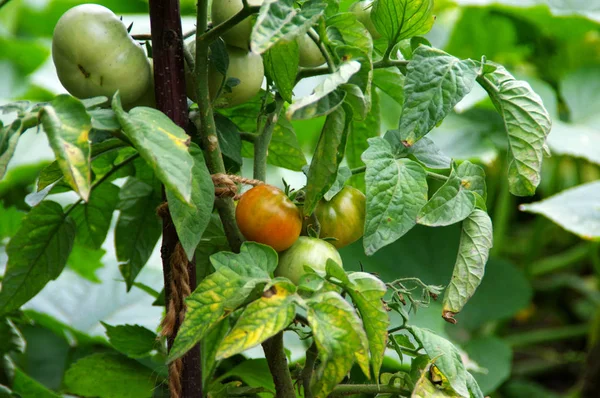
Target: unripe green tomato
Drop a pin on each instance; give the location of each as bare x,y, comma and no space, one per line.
343,217
306,251
309,52
94,55
239,35
148,98
245,66
362,10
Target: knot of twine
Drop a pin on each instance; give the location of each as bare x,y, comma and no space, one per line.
225,187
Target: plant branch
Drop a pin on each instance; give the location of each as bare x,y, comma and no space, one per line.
246,136
307,372
324,70
546,335
205,125
223,27
278,365
436,176
330,64
262,141
368,389
358,170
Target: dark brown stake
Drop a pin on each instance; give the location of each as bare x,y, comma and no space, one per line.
169,82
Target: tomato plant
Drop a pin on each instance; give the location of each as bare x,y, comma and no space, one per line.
266,215
133,252
307,251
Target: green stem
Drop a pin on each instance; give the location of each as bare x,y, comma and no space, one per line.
561,260
324,70
216,32
436,176
278,366
262,141
546,335
250,137
358,170
368,389
205,124
329,60
309,366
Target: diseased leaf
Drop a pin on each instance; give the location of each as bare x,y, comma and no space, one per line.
138,227
191,221
68,125
254,260
93,218
473,251
279,20
162,144
37,254
340,339
472,177
396,191
261,320
132,340
435,82
401,19
281,66
527,124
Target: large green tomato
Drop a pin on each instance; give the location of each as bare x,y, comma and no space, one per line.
343,217
239,35
94,55
309,52
147,99
245,66
362,10
306,251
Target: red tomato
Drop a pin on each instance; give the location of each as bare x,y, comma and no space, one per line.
266,215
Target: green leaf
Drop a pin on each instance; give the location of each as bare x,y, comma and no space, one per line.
11,339
424,387
367,293
361,131
427,153
327,157
391,82
281,66
472,177
324,98
10,221
473,387
132,340
493,354
109,375
254,260
9,137
396,191
261,319
575,209
25,387
400,19
340,339
68,125
208,349
93,218
450,204
36,254
279,20
191,221
527,124
104,120
230,141
86,261
446,356
345,29
162,144
255,373
343,175
138,228
473,251
435,82
216,296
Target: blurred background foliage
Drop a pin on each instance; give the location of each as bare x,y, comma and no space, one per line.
533,325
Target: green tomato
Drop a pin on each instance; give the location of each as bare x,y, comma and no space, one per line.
362,10
343,217
239,35
247,67
306,251
94,55
309,52
148,98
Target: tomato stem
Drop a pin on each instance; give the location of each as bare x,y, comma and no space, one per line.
262,141
223,27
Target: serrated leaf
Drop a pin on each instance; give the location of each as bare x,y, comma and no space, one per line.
472,177
340,339
25,386
279,20
230,141
476,240
435,82
68,125
162,144
391,82
9,137
104,120
138,227
367,293
191,221
527,124
93,218
400,19
343,175
281,66
575,209
109,375
323,100
284,149
132,340
327,157
254,260
37,254
11,339
396,191
345,29
450,204
425,152
215,297
261,320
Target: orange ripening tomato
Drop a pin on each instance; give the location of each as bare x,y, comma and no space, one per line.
343,217
266,215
